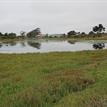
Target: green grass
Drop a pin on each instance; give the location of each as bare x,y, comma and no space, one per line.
67,79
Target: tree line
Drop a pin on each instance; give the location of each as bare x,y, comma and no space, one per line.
12,35
96,31
8,35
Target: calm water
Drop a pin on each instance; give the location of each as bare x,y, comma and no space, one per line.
31,46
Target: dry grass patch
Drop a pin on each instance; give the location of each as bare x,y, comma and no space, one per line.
54,87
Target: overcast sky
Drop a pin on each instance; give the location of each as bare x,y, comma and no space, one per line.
52,16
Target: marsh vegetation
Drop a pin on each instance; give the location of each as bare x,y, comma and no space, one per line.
75,79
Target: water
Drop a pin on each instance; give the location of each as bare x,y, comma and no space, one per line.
34,46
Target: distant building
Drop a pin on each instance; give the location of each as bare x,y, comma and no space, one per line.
34,33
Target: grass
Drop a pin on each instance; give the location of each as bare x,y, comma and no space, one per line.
67,79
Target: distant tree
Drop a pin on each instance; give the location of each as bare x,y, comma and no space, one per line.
63,35
1,34
47,35
91,33
70,33
11,35
83,33
6,34
22,33
99,29
78,33
34,33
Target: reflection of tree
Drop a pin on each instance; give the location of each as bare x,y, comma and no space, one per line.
0,45
11,43
71,42
22,33
23,44
98,46
34,44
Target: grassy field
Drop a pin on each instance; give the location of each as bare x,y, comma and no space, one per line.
77,79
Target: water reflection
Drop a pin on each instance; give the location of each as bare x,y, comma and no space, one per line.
23,44
71,42
10,43
98,45
47,46
0,45
34,44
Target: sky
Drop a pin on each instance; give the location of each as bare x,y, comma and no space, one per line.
52,16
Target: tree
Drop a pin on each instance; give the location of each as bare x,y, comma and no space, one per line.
83,33
99,29
6,34
1,34
34,33
22,33
12,35
91,33
70,33
78,33
47,35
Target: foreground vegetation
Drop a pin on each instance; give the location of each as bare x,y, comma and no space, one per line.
77,79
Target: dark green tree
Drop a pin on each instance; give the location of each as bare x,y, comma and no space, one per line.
71,33
12,35
1,34
83,33
99,29
6,34
91,33
22,33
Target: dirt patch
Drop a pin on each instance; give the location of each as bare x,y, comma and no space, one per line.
71,78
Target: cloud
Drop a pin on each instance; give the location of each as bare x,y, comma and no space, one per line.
53,16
